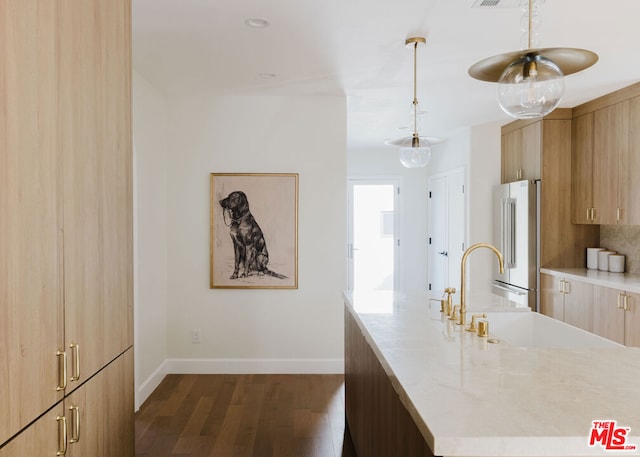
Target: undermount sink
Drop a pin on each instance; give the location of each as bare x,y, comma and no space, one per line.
537,330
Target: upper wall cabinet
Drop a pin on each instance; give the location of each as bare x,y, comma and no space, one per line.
600,150
582,170
610,156
605,162
632,170
521,149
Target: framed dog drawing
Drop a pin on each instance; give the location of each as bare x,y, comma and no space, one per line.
254,231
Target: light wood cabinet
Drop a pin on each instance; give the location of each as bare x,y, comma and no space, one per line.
66,217
632,320
95,419
606,159
633,164
31,298
582,170
578,304
551,296
97,189
42,438
568,301
617,315
610,159
511,156
379,422
98,413
608,319
521,152
610,313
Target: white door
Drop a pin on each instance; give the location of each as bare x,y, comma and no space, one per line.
447,224
438,240
373,228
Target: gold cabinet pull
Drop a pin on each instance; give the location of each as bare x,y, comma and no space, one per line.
562,286
621,301
619,214
62,435
625,302
75,423
62,370
588,214
593,214
75,359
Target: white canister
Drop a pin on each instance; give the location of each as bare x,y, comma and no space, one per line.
592,257
603,260
616,263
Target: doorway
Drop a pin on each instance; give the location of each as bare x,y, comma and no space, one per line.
447,228
373,234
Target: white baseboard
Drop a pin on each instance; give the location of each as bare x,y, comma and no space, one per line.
255,366
150,384
235,366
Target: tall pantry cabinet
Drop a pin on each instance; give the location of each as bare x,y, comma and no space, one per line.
66,300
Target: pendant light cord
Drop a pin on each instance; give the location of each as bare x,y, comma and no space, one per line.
415,85
530,21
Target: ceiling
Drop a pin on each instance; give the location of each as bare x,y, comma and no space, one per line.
356,48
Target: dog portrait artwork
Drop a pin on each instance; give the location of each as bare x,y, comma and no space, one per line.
249,247
254,230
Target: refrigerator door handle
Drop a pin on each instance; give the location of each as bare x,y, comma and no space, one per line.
509,233
509,289
505,230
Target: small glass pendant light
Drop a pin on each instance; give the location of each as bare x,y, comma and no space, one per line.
417,153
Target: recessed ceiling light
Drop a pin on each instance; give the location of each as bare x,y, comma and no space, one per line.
257,23
267,75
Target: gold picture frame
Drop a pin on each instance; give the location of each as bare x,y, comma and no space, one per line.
254,231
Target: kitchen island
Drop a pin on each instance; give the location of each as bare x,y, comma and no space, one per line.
417,384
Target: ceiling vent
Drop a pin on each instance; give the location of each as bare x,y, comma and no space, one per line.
496,4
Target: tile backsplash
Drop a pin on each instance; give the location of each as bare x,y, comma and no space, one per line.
624,240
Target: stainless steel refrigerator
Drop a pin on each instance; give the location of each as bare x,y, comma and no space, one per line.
515,222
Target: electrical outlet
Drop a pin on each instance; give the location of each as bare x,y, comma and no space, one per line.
195,336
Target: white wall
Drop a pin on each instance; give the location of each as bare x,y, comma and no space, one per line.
257,330
485,145
384,162
179,142
477,149
150,235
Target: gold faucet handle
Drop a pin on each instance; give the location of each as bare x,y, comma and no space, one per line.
472,326
483,328
455,313
449,306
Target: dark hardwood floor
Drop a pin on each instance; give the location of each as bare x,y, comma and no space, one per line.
244,416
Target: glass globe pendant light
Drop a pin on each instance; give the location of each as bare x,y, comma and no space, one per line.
416,151
531,81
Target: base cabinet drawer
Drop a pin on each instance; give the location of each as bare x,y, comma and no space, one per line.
95,420
616,315
567,300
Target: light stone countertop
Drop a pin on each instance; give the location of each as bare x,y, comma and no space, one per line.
623,281
473,398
